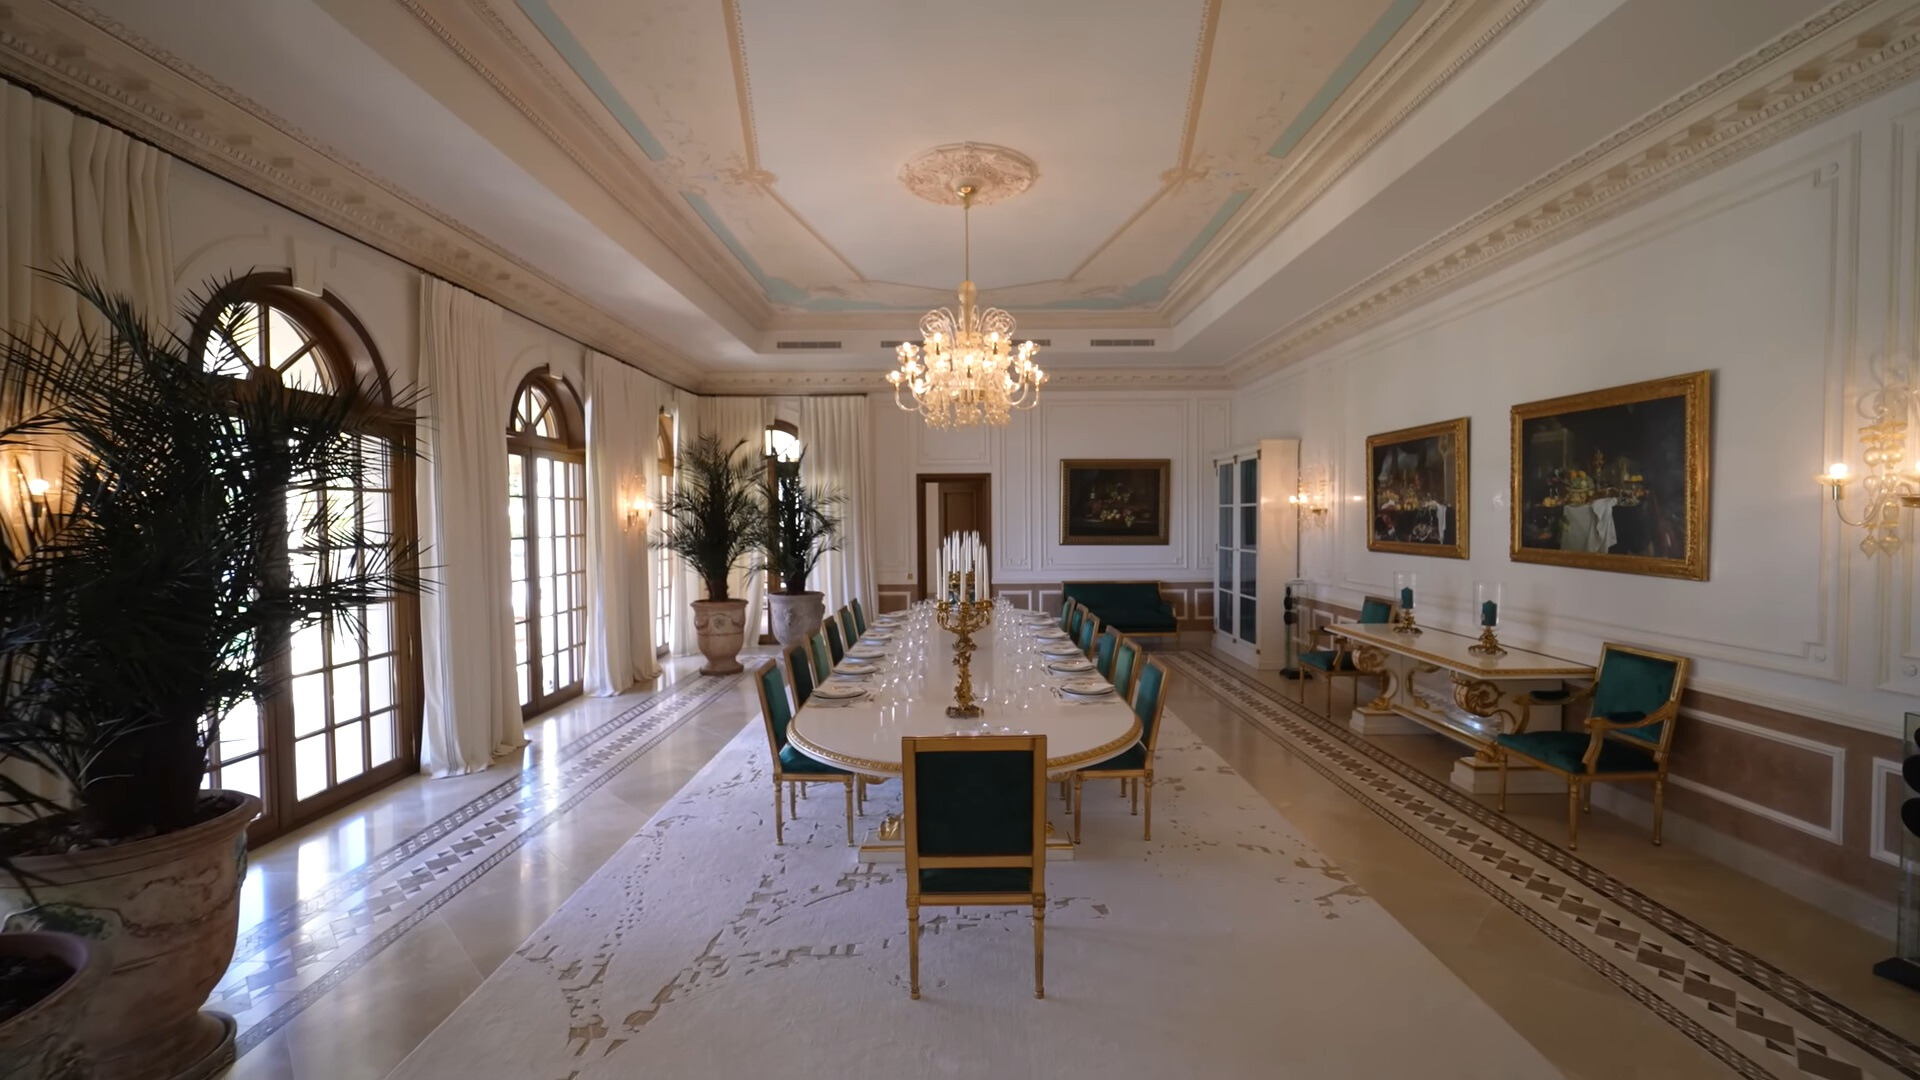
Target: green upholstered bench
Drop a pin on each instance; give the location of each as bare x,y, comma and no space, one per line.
1131,607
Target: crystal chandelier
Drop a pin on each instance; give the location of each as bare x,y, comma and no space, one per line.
967,369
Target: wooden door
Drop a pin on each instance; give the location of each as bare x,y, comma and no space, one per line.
947,505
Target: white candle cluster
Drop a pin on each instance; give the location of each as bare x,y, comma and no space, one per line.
962,553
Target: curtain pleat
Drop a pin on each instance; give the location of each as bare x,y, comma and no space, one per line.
472,703
837,434
622,407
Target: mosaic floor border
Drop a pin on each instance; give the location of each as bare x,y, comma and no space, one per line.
292,958
1758,1020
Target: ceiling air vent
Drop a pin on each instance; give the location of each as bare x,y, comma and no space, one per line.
806,345
893,344
1122,343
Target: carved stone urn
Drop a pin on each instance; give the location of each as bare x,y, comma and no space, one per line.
42,1042
720,626
162,913
796,616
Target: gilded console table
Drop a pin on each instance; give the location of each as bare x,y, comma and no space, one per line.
1485,699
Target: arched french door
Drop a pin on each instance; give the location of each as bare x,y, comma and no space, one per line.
547,509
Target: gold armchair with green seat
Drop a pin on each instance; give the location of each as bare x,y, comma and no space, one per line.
848,631
791,767
1133,765
836,644
859,614
1630,723
800,673
1088,633
822,659
976,832
1126,664
1066,614
1336,660
1076,618
1103,652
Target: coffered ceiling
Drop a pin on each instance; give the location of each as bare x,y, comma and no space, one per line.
699,186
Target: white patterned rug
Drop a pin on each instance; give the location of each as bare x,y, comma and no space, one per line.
1226,947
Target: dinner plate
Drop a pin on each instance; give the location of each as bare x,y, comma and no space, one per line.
1062,649
867,652
853,665
839,691
1054,635
877,635
1070,664
1087,686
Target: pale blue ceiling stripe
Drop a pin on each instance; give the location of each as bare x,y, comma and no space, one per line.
556,32
1389,24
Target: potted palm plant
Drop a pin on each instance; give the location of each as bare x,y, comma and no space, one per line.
714,521
801,527
142,597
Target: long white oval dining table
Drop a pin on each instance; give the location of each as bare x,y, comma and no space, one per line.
864,737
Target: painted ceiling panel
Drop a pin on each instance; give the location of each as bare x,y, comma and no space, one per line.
783,127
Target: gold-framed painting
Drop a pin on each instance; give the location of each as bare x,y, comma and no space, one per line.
1417,482
1615,479
1115,500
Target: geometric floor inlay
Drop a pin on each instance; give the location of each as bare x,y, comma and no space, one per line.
293,957
1760,1021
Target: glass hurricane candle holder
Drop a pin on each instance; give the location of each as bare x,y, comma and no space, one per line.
1488,596
1404,597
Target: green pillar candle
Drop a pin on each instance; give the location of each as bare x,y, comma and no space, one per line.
1489,613
1406,599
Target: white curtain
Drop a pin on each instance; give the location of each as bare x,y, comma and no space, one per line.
622,410
472,704
734,419
73,192
837,434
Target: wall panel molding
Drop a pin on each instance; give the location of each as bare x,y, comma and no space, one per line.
1833,830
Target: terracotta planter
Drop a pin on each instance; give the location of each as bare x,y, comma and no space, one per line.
162,913
721,626
796,616
43,1042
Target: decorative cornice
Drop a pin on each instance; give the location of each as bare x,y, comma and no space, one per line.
76,54
874,382
1850,52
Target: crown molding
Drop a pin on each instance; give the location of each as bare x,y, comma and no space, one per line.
1853,51
77,55
875,381
1441,47
484,40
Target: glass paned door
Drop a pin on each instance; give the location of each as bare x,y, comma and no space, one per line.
1236,573
546,496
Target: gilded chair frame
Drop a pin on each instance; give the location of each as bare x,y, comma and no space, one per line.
1124,685
794,781
1131,779
1105,667
1341,649
1076,616
1089,635
1601,730
822,660
1035,858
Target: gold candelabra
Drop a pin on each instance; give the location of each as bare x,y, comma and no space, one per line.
961,616
1489,645
1403,622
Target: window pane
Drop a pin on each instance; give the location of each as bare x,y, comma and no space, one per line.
239,731
1246,619
349,752
242,776
380,689
309,704
1248,567
1250,480
306,654
379,629
310,766
346,693
383,740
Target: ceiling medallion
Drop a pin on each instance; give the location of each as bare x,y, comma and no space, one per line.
967,369
995,173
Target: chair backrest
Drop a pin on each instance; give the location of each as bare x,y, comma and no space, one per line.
976,817
1076,618
1636,683
847,629
800,673
773,705
1089,633
835,644
1150,700
859,614
1125,659
1376,609
1066,613
822,663
1103,651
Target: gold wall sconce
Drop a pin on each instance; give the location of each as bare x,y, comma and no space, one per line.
1886,487
638,507
1314,497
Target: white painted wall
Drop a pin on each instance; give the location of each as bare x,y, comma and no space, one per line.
1024,460
1783,274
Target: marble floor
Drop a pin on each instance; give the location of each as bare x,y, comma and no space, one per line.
362,932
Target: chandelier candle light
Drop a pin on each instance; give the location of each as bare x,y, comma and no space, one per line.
967,369
965,605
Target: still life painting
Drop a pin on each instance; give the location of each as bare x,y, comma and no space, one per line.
1114,502
1417,490
1615,479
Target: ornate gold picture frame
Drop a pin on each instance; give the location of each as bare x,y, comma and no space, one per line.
1115,500
1417,485
1615,479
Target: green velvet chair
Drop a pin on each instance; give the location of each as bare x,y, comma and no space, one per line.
859,614
836,645
976,833
849,631
1126,664
1066,614
1089,633
800,673
791,767
1134,765
1103,651
822,658
1335,659
1635,708
1076,618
